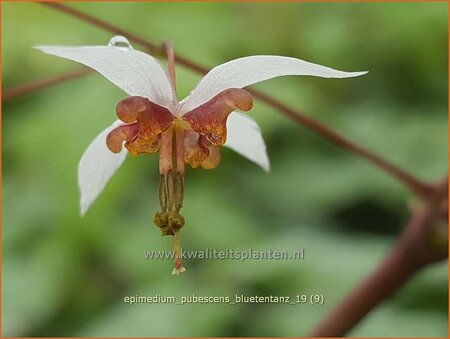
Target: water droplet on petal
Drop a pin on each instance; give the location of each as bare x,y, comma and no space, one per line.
121,42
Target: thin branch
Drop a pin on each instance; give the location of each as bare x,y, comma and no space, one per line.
414,184
102,24
151,47
412,251
40,84
393,273
417,186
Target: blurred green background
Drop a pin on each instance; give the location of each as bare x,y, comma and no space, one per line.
64,275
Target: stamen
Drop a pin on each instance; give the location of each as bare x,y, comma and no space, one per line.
171,189
163,199
180,132
165,152
178,191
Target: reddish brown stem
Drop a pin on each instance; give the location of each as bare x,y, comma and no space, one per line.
102,24
393,272
37,85
151,48
412,251
414,184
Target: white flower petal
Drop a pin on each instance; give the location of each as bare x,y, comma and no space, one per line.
135,72
96,167
244,137
246,71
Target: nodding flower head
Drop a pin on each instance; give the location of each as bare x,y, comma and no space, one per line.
191,131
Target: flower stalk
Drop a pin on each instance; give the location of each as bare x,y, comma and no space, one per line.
171,187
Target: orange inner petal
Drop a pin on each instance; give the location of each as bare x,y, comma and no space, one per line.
119,135
213,159
195,150
198,151
150,120
210,118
